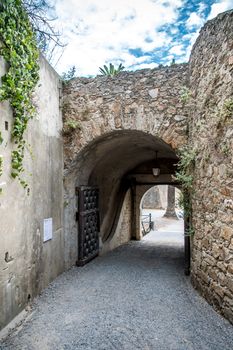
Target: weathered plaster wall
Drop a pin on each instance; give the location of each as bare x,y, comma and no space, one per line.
27,264
211,82
122,233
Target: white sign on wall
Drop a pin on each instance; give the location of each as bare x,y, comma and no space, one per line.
48,229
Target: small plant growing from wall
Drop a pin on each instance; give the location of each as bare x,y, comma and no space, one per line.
173,62
70,74
71,125
227,110
1,163
225,148
111,70
184,175
185,167
185,94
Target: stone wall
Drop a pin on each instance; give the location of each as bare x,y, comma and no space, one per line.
112,125
27,264
211,84
147,100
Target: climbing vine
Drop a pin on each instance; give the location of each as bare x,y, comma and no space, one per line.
19,50
184,175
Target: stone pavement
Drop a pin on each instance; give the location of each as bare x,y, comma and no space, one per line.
135,297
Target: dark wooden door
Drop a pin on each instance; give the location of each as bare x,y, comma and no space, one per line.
88,224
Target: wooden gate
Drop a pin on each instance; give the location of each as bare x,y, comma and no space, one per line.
88,224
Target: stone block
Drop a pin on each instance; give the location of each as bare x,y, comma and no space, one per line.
226,233
228,313
210,260
222,278
204,277
154,93
205,243
230,268
229,283
229,301
216,250
218,289
221,266
228,255
230,60
213,275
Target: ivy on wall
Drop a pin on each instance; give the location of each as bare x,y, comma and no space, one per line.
19,49
184,175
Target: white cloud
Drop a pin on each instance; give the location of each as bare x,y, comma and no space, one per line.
201,7
145,65
177,50
103,31
219,7
216,8
100,31
194,20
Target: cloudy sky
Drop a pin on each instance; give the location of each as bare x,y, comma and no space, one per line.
138,33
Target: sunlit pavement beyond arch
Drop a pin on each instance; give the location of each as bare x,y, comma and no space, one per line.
135,297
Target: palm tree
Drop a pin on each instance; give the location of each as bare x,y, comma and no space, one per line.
111,70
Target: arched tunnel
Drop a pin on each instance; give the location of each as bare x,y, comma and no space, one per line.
120,161
122,165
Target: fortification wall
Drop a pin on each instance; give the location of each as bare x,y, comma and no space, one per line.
211,126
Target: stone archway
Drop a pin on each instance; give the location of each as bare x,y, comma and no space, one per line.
120,164
119,124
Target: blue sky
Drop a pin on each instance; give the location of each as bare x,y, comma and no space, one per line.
137,33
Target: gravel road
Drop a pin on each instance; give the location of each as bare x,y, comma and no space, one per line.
135,297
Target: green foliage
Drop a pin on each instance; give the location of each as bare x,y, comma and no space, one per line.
185,179
189,232
111,70
1,138
184,175
1,165
225,148
185,94
19,49
184,202
173,62
227,111
70,74
185,167
71,125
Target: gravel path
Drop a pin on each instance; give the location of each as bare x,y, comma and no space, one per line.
135,297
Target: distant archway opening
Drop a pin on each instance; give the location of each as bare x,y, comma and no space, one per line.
161,216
